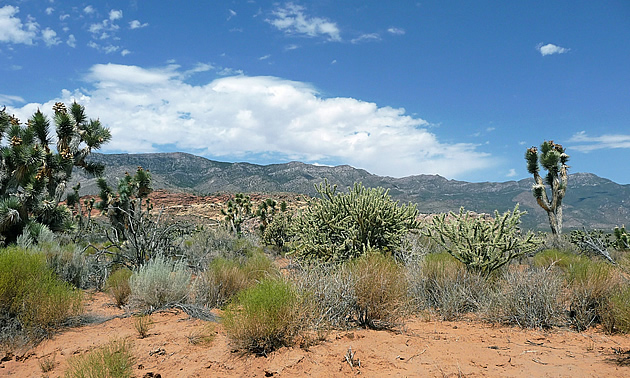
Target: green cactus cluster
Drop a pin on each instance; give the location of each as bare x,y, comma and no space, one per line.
33,176
341,226
553,159
483,245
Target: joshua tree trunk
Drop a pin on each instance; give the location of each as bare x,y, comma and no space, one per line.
553,159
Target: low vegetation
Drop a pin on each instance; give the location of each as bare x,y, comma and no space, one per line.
33,301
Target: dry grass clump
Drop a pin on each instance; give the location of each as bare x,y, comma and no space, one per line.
616,318
225,277
528,298
590,286
118,285
264,317
115,359
203,335
441,283
327,295
143,324
381,290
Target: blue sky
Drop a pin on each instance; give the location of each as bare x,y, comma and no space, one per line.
456,88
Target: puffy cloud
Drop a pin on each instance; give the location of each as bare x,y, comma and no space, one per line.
89,10
115,14
72,41
587,143
291,19
135,24
11,28
50,10
50,37
550,49
243,117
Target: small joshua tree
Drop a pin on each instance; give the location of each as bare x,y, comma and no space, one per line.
553,159
33,177
126,206
237,211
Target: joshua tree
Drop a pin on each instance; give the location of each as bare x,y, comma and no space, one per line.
33,178
236,212
553,159
125,207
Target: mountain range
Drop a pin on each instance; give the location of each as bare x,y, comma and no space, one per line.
591,201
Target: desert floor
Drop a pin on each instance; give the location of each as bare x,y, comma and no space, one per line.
422,348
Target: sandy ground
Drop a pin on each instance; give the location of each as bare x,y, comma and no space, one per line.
422,349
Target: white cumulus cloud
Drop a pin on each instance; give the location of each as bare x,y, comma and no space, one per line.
135,24
50,37
292,19
550,49
241,117
11,28
115,14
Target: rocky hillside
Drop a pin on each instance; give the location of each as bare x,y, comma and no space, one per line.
591,201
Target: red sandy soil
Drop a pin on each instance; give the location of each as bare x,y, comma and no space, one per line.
423,348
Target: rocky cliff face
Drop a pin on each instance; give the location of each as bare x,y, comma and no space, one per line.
591,201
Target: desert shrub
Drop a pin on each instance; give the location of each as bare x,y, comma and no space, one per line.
440,282
118,285
31,294
227,276
115,359
341,226
264,317
529,299
483,245
381,290
590,285
328,299
616,316
204,245
158,283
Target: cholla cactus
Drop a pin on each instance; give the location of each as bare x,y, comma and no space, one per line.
483,245
554,160
33,178
340,226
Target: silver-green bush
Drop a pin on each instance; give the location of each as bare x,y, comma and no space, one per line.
158,283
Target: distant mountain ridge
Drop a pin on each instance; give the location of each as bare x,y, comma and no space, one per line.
591,201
